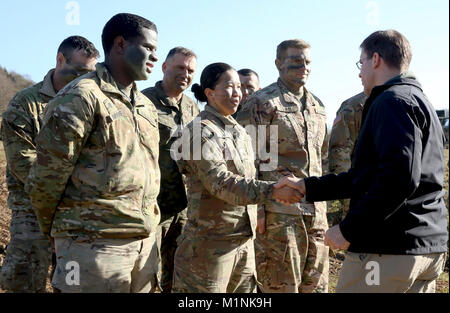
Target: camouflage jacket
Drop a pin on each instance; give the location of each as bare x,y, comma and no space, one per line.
223,191
302,139
344,133
96,172
172,117
20,124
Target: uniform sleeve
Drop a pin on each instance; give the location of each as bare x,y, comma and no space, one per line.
341,144
255,111
353,120
324,152
18,131
223,184
68,122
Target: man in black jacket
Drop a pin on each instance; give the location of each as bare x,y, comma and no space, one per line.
396,229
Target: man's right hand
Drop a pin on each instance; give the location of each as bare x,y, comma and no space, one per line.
293,182
286,194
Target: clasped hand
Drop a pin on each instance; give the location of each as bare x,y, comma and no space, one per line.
289,190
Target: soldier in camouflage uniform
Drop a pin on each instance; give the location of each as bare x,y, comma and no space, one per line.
249,85
95,181
343,137
216,252
290,251
175,110
28,256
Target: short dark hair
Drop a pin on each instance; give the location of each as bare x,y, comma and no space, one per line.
392,47
181,50
126,25
247,72
291,43
73,43
209,78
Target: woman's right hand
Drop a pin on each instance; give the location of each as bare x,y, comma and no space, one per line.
286,195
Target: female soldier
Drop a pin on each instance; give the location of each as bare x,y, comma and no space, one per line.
215,251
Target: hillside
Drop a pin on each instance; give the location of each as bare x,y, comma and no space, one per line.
10,84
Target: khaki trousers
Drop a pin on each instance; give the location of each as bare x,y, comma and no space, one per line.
373,273
106,265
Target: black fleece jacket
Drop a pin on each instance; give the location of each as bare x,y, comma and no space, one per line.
396,180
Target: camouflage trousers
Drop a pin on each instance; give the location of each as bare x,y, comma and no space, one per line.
106,265
291,256
214,266
344,205
28,256
169,230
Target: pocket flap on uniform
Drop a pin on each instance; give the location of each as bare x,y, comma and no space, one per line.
148,116
114,112
288,109
166,120
320,110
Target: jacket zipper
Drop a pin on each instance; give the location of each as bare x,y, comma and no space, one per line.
136,127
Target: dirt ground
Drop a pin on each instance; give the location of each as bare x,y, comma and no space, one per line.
335,260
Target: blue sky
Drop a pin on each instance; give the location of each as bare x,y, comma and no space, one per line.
243,33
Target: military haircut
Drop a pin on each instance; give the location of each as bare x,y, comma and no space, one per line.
209,78
127,25
247,72
392,47
181,50
291,43
74,43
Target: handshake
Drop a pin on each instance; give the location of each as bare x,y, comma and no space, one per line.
289,190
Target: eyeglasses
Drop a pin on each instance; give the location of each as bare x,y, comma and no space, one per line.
359,63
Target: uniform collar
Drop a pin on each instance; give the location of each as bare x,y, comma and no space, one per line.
293,98
167,101
47,86
227,120
108,84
